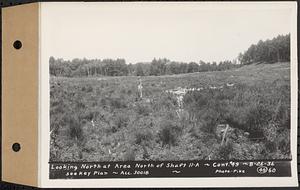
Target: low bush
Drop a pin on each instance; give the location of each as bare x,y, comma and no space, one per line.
169,133
208,121
143,136
224,152
143,109
125,127
76,131
117,103
129,154
121,120
165,102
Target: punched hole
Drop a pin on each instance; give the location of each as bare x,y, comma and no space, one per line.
16,147
17,44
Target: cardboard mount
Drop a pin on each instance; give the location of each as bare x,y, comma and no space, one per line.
20,74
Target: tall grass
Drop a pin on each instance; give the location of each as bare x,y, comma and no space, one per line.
104,120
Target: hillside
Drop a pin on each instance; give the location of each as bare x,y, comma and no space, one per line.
268,51
179,117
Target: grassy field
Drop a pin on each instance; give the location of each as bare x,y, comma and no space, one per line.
103,119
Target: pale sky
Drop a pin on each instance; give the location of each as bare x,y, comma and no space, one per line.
139,32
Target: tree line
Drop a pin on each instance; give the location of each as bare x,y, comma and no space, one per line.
268,51
118,67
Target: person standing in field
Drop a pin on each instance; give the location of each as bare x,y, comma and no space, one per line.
140,88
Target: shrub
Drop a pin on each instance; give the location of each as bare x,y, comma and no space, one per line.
79,105
143,135
71,154
129,91
281,113
117,103
257,117
270,131
165,102
129,154
89,89
224,151
89,115
104,103
277,139
121,120
76,131
143,109
208,121
249,110
169,133
196,99
194,131
270,146
284,142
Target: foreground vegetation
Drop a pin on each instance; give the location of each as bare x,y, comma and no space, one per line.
103,118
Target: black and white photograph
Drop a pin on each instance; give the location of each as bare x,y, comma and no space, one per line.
156,88
169,82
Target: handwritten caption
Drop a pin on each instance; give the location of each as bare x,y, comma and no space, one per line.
168,169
